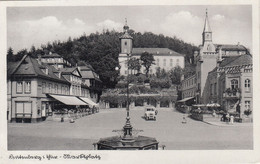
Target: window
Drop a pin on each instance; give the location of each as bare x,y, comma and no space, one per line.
247,85
125,43
247,105
234,84
158,62
164,62
62,90
50,88
56,88
171,63
19,87
27,87
43,87
211,89
215,89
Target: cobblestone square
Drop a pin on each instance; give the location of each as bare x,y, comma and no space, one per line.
167,129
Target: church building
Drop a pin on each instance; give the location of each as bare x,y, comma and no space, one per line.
164,58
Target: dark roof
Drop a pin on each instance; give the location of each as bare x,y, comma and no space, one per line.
30,67
126,36
89,74
231,47
52,55
10,67
236,60
156,51
69,70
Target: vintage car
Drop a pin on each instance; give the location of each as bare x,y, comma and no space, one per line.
150,113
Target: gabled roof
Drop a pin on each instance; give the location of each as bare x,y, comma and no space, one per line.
29,66
69,70
156,51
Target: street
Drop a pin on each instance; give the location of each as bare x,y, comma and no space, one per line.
167,129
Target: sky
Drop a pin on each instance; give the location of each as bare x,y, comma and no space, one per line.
27,26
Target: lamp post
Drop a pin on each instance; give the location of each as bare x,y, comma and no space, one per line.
127,129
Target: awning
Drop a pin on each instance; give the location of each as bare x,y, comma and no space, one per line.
68,100
88,101
186,99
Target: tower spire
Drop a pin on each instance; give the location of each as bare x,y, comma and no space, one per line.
126,28
206,25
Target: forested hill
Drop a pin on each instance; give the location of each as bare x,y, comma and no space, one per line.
101,50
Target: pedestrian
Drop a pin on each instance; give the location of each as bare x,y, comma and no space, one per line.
231,119
184,120
228,117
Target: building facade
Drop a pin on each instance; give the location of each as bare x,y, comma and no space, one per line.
164,58
221,69
36,89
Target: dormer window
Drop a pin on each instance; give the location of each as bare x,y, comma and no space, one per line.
45,71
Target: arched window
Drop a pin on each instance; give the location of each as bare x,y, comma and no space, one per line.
247,85
234,84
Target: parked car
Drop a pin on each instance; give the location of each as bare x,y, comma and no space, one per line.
150,113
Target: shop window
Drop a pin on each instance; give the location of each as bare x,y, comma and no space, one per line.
19,87
247,85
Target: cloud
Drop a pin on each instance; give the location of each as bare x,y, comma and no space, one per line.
183,25
23,34
189,28
110,25
218,17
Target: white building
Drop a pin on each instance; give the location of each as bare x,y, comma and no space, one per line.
164,57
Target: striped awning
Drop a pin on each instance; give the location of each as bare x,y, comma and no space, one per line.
68,100
88,101
186,99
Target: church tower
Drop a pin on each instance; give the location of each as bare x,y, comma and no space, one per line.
207,44
126,41
205,59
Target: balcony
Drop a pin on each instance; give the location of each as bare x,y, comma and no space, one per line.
231,95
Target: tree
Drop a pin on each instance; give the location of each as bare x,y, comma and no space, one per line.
176,74
10,55
134,64
147,61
